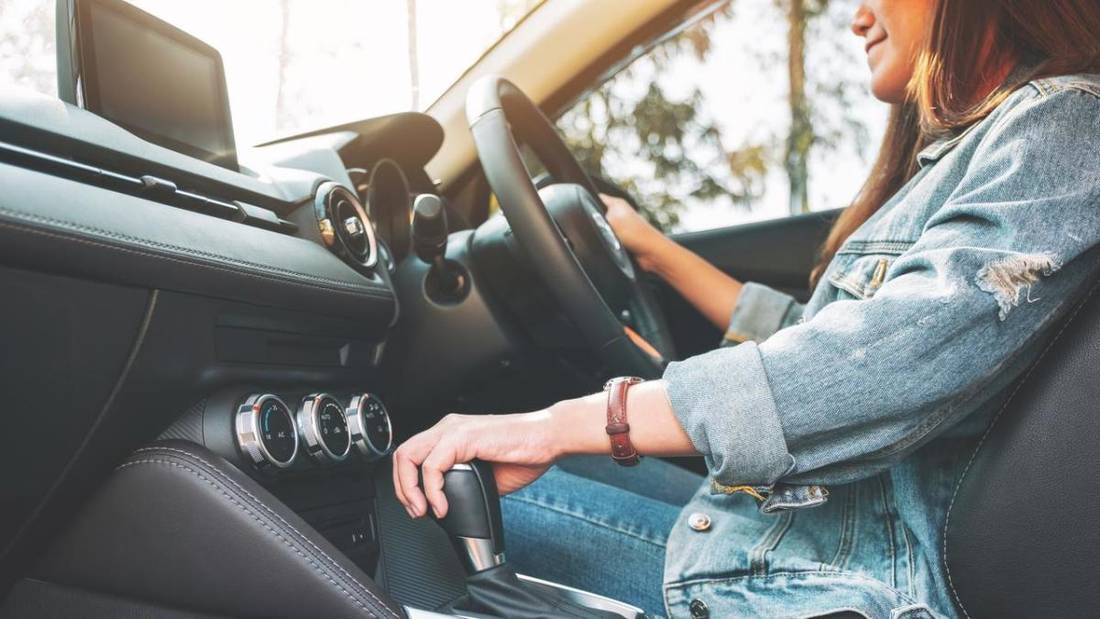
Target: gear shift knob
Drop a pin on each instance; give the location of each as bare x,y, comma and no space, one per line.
473,518
492,588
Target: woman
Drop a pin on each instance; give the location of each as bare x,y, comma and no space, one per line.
969,240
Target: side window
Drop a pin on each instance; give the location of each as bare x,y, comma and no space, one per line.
28,56
720,124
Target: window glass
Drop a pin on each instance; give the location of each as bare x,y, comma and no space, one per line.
296,65
699,128
28,52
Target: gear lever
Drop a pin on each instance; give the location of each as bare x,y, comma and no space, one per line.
473,518
476,529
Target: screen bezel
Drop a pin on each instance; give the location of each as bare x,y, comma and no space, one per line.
87,82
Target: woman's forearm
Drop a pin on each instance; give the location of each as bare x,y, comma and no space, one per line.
522,446
654,429
707,288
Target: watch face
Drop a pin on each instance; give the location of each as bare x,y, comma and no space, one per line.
277,430
333,427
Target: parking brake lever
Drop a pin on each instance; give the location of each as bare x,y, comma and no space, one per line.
473,519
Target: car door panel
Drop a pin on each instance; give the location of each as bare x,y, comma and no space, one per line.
779,253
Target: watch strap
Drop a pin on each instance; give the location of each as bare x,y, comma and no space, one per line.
618,428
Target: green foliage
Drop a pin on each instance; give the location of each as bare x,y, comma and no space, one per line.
663,131
675,151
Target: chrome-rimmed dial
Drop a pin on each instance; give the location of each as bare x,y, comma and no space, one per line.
324,428
265,431
369,425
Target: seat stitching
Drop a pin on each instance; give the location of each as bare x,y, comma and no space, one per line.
985,435
252,515
335,286
272,512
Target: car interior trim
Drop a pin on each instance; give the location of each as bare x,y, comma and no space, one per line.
978,558
108,403
191,475
147,186
240,262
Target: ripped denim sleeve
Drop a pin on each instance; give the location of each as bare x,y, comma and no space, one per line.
861,384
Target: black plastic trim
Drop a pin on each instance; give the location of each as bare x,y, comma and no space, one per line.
147,186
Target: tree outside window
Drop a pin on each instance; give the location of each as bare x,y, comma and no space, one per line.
758,109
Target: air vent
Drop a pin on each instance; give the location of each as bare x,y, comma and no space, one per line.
344,226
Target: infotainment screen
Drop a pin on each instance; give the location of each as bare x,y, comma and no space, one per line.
151,78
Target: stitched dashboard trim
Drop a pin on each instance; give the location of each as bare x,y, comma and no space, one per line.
221,261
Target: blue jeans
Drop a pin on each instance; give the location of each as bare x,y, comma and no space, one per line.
591,524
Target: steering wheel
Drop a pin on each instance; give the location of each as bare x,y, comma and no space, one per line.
564,232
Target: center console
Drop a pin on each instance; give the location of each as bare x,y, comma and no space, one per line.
278,502
324,454
315,450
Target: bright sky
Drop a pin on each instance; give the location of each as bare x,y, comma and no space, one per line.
348,58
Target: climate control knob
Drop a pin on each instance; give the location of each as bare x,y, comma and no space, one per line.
265,431
370,427
323,427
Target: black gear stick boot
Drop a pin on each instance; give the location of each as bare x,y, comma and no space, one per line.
476,529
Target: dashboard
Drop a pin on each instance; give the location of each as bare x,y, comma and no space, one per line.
251,304
163,292
163,285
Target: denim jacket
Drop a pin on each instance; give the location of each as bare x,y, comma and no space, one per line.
867,402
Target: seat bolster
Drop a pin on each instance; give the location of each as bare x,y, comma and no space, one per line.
177,525
1020,539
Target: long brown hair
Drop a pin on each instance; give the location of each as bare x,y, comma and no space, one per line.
963,73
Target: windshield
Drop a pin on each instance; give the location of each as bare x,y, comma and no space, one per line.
295,65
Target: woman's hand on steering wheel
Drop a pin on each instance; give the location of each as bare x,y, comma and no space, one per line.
637,235
521,447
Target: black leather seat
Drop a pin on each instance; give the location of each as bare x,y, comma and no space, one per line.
178,531
1023,533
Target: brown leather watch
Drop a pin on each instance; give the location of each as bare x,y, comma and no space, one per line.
618,430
